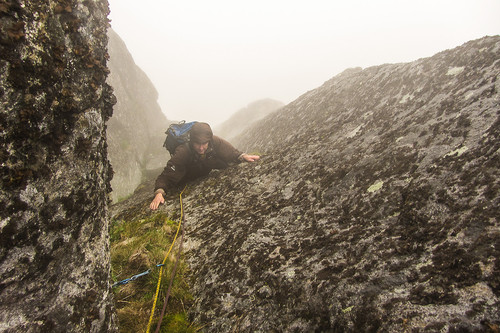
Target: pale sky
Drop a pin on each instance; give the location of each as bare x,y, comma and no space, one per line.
210,58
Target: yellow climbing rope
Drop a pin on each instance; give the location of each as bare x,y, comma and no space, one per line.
165,260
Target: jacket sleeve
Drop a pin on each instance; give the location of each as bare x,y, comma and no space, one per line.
226,151
174,171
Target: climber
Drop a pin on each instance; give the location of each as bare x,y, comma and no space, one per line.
197,158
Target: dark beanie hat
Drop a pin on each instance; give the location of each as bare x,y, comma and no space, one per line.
201,133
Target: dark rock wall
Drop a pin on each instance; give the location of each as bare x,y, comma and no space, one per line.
54,255
136,129
374,208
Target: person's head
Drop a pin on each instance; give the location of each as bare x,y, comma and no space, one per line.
200,136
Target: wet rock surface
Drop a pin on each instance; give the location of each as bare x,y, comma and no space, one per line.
54,255
374,208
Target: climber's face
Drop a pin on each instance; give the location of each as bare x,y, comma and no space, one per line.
200,148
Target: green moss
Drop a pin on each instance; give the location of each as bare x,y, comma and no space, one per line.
136,246
177,323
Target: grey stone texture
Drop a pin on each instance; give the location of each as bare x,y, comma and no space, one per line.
54,254
374,208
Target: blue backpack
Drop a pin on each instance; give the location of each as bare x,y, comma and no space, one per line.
177,134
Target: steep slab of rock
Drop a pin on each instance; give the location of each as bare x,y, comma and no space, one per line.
374,208
54,255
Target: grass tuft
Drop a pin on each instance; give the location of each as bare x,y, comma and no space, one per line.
137,246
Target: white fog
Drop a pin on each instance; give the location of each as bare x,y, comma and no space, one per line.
208,59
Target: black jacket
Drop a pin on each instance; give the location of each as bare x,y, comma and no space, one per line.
186,164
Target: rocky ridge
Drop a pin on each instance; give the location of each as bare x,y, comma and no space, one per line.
136,131
374,208
245,117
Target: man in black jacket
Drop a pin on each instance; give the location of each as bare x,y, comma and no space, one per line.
195,159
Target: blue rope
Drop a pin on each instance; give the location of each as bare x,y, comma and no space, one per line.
122,282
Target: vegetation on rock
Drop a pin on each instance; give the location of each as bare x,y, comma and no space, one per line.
138,245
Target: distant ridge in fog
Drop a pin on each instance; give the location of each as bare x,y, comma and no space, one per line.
136,129
245,117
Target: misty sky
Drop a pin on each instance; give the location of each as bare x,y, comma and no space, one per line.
208,59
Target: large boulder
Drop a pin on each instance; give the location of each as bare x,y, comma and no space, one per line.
54,255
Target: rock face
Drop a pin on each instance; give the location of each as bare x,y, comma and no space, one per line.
374,208
245,117
54,256
136,130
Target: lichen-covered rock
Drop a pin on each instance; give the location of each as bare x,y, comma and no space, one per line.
374,208
54,255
